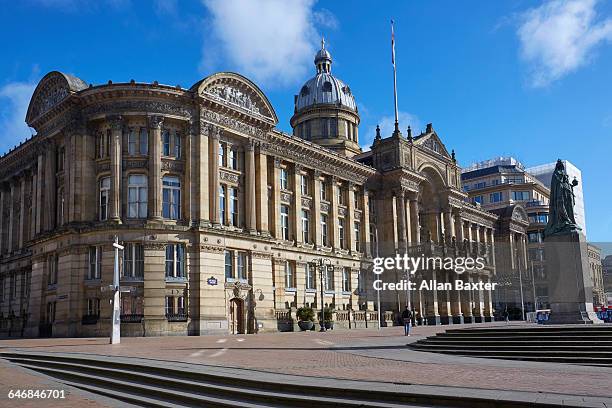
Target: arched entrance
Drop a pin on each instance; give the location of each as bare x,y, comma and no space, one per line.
237,321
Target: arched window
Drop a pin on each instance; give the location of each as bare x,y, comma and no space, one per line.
327,86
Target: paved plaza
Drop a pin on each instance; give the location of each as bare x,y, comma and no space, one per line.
368,355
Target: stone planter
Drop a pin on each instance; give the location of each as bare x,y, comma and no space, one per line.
329,325
306,325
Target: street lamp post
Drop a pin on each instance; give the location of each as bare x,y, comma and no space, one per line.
116,323
378,291
324,265
518,260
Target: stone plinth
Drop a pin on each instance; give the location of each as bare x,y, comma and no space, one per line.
569,281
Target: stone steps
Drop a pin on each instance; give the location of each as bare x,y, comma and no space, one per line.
585,345
155,383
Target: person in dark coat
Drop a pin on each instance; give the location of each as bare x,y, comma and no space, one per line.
407,319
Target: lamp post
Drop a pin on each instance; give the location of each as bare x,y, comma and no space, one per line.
518,262
378,291
324,265
116,324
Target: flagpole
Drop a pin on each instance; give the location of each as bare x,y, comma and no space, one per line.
396,131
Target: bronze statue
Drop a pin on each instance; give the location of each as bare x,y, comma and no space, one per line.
561,206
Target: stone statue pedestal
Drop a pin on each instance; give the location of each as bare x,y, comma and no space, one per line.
569,279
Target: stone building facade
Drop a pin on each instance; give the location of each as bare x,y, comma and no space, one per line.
221,214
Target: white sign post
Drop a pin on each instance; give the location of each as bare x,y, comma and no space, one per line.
116,331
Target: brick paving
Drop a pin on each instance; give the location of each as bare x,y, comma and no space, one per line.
357,354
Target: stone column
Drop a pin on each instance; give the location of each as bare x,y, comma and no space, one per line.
511,251
350,218
251,208
116,125
297,203
262,193
39,194
213,159
276,201
455,300
365,222
449,225
492,242
155,182
478,301
458,229
34,204
22,210
466,301
186,199
2,241
11,219
316,208
50,189
488,302
401,217
333,221
414,220
203,164
432,309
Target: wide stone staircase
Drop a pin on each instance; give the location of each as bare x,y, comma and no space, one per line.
584,345
154,383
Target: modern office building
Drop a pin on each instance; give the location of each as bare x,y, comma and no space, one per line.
544,173
222,216
596,269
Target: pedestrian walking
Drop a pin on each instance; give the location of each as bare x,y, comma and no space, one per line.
407,318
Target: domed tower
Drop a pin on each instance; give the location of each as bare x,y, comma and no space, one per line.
325,110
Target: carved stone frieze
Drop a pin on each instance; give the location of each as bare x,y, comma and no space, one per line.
232,123
325,207
229,177
118,107
172,166
211,248
306,202
342,211
286,197
135,164
102,167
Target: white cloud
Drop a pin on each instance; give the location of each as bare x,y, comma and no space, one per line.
271,41
559,37
14,100
387,125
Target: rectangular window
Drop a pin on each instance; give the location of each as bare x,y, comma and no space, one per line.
241,266
310,276
93,307
178,148
104,196
169,305
477,200
222,195
233,159
357,229
171,206
324,230
132,142
107,144
283,178
304,184
323,191
144,141
52,266
100,145
329,279
233,202
340,195
481,184
285,222
289,276
495,197
305,226
346,280
165,143
341,232
137,196
520,195
50,318
175,261
95,263
221,154
133,261
229,265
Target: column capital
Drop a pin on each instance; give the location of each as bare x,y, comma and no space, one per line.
250,145
156,121
298,167
317,173
115,121
277,162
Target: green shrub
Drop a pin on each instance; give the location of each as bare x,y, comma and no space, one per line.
305,314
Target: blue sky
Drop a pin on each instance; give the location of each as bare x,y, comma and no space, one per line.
524,78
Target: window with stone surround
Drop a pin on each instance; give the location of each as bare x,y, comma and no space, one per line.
137,196
357,230
232,159
133,261
236,264
171,196
329,280
310,277
93,307
233,207
175,261
165,142
305,226
52,268
222,202
283,178
304,180
341,237
284,222
94,269
104,193
289,275
346,280
324,235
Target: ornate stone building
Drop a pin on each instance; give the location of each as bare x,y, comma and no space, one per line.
222,215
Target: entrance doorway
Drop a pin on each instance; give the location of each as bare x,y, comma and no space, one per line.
237,316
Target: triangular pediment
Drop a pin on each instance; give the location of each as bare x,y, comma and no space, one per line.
432,142
238,93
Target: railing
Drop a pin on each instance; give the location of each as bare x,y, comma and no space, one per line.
359,315
342,315
132,278
90,319
388,315
372,315
176,317
131,318
534,203
282,314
